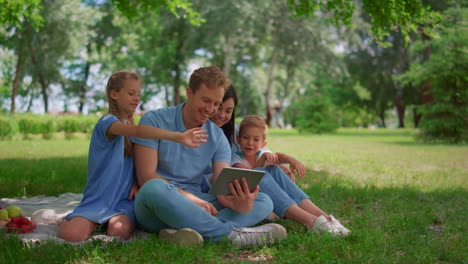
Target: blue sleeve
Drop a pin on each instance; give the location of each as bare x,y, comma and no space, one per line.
150,119
100,129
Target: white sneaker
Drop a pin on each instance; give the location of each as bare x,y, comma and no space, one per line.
258,236
344,231
322,225
181,237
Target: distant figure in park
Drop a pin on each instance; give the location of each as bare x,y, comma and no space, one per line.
289,201
277,120
170,201
111,184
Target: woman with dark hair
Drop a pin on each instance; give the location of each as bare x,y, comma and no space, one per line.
289,201
225,117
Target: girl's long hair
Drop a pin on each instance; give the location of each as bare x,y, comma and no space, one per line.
116,83
228,128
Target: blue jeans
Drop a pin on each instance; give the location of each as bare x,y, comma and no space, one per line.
281,189
159,205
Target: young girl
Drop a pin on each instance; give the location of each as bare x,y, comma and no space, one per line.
111,186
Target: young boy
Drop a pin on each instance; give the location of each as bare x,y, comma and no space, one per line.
289,201
252,140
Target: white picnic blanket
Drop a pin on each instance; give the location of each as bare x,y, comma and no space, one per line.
49,212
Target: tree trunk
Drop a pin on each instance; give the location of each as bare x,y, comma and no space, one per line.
382,118
425,88
17,77
166,95
176,99
84,86
270,83
416,117
41,78
228,55
400,107
30,91
179,60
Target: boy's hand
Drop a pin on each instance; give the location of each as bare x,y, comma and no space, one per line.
297,167
192,137
241,199
288,172
270,158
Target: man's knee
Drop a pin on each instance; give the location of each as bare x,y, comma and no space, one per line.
155,188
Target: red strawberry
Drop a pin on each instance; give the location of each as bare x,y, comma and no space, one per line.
20,225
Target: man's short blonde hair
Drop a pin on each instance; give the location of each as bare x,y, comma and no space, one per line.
211,76
253,121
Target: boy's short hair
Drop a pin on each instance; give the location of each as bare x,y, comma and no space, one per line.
211,76
253,121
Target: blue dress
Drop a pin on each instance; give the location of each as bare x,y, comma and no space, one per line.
110,177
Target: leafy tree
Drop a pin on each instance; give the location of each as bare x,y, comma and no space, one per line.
317,114
385,15
445,117
13,13
179,8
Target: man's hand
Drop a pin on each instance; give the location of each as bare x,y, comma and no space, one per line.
241,199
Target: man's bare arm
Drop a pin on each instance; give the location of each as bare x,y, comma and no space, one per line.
146,162
217,167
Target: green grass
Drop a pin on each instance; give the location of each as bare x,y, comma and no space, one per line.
404,201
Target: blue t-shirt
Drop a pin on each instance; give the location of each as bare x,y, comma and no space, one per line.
110,177
184,166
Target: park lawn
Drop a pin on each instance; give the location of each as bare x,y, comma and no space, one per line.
404,201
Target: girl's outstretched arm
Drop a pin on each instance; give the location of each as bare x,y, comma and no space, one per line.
190,138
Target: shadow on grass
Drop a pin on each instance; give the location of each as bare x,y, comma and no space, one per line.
50,176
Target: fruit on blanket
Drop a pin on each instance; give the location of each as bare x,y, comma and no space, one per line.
14,211
20,225
3,214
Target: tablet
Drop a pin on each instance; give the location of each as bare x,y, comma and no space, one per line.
228,174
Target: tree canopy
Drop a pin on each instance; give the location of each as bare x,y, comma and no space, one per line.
326,63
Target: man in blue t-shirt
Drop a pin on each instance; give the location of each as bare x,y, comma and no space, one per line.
170,200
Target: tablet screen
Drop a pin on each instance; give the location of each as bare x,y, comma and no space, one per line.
228,174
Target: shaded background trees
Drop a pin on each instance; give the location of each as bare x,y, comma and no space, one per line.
329,64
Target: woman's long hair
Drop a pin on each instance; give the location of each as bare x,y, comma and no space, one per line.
228,128
116,82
